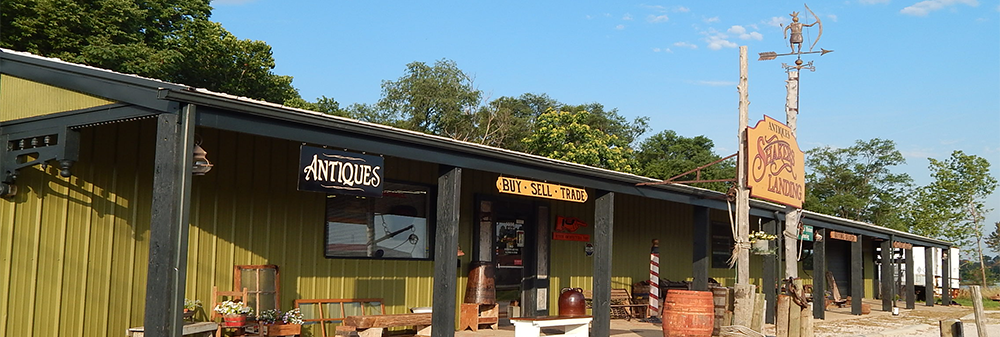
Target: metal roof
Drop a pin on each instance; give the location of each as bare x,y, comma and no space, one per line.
249,115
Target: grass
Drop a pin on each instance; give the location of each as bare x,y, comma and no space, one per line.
965,297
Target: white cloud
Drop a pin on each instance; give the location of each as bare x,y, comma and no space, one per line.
657,8
620,27
682,9
832,17
719,41
924,8
872,2
742,33
775,21
665,50
685,45
711,19
627,17
657,18
717,83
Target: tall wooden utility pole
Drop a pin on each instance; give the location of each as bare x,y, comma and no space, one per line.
742,192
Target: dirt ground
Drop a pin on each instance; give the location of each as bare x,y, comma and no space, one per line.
920,321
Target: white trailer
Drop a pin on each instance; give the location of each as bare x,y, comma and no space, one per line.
919,268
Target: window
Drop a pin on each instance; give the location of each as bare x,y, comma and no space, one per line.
261,282
722,244
396,226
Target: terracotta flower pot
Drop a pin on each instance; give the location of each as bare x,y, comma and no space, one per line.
236,320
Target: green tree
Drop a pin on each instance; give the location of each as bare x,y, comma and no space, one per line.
667,154
169,40
439,99
952,206
567,136
857,183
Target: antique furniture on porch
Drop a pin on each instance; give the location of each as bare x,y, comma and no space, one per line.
326,312
375,325
219,296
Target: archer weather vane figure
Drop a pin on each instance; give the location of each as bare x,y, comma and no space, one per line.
795,40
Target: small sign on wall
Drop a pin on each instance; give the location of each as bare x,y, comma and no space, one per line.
566,228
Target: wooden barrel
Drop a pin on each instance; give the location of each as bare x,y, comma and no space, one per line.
688,313
481,287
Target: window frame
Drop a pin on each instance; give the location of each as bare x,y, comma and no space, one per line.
255,292
430,219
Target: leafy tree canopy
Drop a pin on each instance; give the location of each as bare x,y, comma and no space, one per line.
566,136
857,183
952,206
169,40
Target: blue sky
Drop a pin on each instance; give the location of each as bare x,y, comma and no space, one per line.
925,74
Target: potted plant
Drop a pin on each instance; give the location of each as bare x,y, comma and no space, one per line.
190,306
277,323
759,241
234,313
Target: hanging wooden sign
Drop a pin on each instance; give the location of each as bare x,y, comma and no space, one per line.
842,236
902,245
540,189
776,166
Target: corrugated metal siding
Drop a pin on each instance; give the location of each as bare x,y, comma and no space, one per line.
70,249
20,98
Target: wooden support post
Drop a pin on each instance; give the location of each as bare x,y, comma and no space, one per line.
857,275
169,222
977,305
445,250
794,320
819,272
702,258
929,276
781,315
911,294
887,277
757,323
945,276
743,296
805,322
769,281
604,216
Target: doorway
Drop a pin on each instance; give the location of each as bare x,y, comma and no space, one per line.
508,232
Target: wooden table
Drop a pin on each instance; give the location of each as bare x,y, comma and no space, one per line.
375,325
573,326
203,329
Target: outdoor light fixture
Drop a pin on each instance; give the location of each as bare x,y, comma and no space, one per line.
201,163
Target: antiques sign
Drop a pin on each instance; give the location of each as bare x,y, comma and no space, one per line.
842,236
540,189
776,167
339,172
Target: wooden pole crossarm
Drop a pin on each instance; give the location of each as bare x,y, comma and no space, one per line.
697,169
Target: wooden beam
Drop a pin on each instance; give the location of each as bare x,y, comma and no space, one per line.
929,276
604,215
857,276
445,250
168,234
702,255
887,276
945,276
770,277
911,295
819,272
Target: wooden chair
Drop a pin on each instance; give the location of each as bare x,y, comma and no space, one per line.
840,302
219,297
622,304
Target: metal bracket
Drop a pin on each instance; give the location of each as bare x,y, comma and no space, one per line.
20,150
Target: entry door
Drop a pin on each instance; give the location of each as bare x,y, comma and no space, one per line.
509,252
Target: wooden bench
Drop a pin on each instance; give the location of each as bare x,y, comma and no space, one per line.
325,311
375,325
572,326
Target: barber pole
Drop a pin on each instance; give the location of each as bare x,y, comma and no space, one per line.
654,279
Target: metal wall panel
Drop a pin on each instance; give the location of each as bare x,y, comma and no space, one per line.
20,98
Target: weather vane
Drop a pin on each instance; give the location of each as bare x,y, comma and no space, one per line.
795,42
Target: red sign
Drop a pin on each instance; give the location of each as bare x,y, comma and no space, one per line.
566,228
